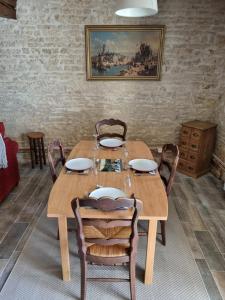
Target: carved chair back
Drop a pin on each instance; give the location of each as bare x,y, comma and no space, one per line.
168,165
110,122
55,156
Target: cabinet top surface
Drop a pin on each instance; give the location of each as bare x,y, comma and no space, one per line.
199,124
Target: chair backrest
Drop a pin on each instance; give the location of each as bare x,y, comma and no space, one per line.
55,156
108,205
110,122
169,161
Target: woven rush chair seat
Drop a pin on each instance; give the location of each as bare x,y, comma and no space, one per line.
108,251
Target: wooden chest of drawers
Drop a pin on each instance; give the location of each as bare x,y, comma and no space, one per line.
197,141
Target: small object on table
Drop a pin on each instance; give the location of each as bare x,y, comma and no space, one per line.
110,165
37,149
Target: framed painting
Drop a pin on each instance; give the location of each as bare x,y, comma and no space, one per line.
124,52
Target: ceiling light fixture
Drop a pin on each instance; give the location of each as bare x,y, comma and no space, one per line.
136,8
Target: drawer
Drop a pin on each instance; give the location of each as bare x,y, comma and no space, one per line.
184,142
186,166
185,132
182,164
191,168
192,157
194,145
183,153
196,134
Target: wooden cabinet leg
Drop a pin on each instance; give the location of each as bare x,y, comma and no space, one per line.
43,150
150,253
64,248
31,153
40,154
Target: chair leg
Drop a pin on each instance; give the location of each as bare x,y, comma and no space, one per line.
163,232
83,287
132,267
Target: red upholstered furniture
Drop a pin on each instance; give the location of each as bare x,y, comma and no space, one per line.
9,177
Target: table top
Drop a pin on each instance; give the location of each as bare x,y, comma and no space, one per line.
149,189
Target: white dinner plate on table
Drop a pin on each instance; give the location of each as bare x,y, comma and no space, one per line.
143,165
111,143
79,164
107,192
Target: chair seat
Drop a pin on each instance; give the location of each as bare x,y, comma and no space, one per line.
108,251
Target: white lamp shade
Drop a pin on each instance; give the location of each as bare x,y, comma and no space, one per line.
136,8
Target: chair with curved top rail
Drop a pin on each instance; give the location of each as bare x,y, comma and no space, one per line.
107,242
111,122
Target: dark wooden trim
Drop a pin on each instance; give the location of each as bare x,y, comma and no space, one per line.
11,3
7,10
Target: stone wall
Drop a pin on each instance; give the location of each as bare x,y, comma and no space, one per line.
43,80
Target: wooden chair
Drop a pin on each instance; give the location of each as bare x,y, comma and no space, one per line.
107,242
110,122
167,171
55,148
55,157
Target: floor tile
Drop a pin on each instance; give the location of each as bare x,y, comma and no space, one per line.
215,261
206,242
208,279
11,240
220,281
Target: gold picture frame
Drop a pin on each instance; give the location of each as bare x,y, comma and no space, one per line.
124,52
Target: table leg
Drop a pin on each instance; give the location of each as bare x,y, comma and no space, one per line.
64,248
150,253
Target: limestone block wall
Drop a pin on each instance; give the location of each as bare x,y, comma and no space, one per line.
43,79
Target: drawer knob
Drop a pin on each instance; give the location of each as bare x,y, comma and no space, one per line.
194,146
195,134
192,157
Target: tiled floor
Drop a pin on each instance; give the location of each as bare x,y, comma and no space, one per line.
200,205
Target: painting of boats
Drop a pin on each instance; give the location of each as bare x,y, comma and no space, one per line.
116,52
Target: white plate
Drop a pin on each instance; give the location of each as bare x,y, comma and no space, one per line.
79,164
111,143
107,192
143,165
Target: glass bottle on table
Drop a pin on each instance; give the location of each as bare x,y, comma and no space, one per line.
125,157
127,185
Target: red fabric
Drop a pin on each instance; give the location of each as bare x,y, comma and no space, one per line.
2,129
9,177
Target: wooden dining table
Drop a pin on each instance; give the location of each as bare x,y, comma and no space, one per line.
148,188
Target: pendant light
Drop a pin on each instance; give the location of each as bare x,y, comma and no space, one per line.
136,8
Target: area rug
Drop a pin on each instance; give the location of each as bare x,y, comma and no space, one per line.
37,273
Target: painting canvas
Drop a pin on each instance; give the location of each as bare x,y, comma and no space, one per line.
124,52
